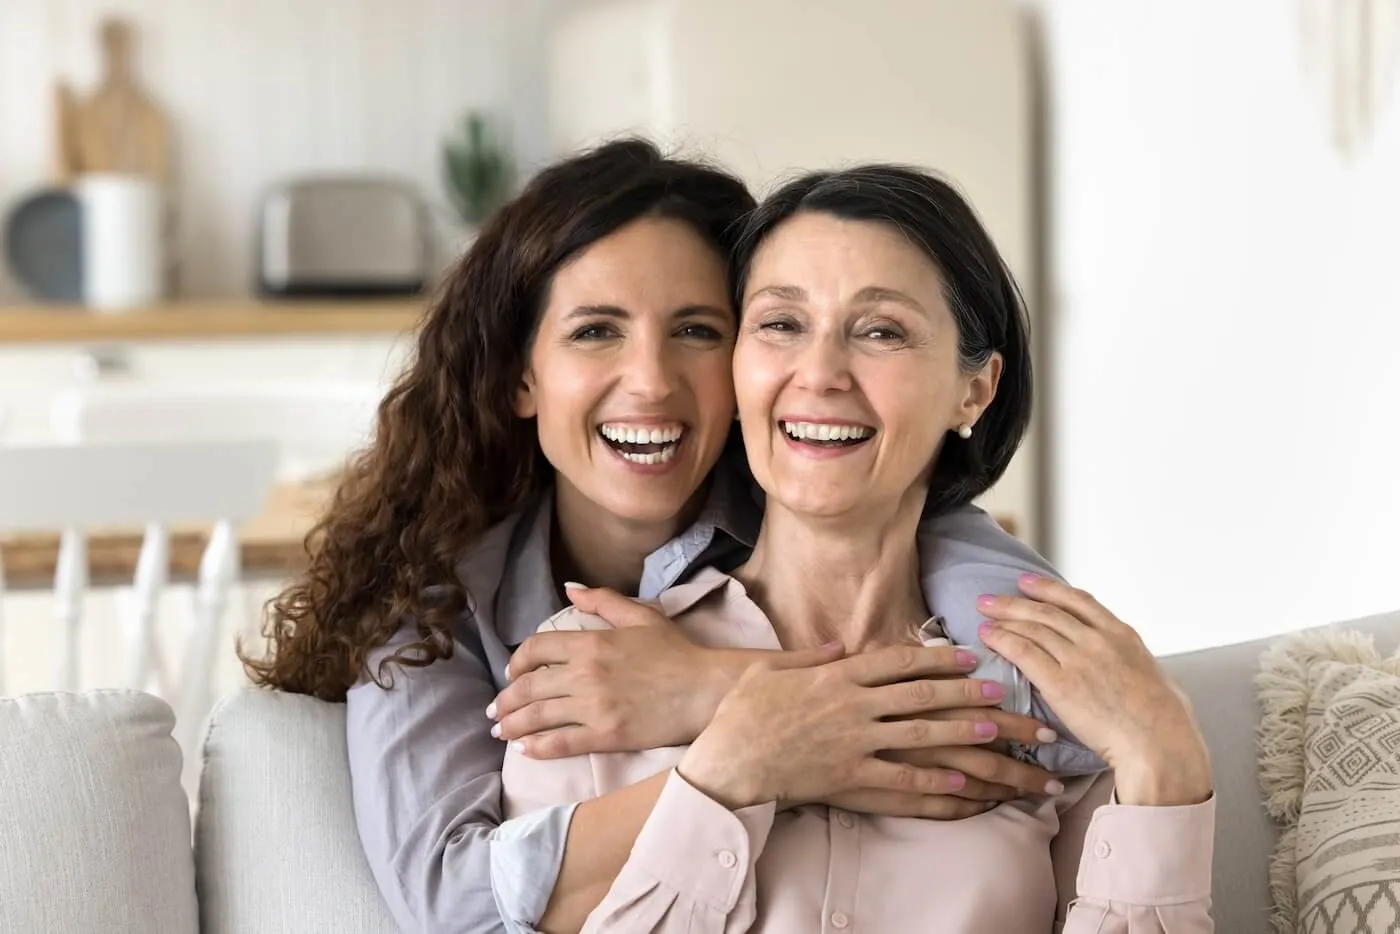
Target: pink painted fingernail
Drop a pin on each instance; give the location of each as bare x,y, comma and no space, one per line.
986,600
956,780
1054,787
965,659
506,671
985,729
496,730
516,746
491,710
1030,580
984,629
1046,735
993,691
574,585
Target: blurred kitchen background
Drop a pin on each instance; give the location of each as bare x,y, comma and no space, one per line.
1200,198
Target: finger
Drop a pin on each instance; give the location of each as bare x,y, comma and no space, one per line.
1035,663
545,648
540,684
898,804
903,662
1002,609
1044,637
914,697
896,776
560,744
919,733
978,790
612,606
995,768
538,717
806,658
1010,726
1079,603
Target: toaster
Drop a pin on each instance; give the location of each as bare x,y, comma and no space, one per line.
335,237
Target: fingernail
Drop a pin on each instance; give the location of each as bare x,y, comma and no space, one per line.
956,780
506,671
1029,580
496,730
516,746
1046,735
993,691
965,659
982,630
985,729
1054,787
491,710
986,600
573,585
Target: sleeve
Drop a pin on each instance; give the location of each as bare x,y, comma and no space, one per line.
692,869
1121,869
426,779
964,554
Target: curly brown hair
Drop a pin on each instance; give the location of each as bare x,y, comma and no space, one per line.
449,457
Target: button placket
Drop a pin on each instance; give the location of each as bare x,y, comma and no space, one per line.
844,835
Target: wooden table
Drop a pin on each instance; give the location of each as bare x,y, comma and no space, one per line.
272,544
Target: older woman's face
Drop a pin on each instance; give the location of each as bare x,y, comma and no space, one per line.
846,367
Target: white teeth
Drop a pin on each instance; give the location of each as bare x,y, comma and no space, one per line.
809,431
625,435
660,457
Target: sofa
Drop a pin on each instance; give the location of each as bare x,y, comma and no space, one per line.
95,829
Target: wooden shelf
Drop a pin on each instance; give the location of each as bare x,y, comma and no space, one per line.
212,319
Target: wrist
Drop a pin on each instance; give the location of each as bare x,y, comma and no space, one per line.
718,671
719,776
1162,779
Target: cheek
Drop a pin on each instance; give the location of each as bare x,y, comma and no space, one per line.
712,376
566,385
757,375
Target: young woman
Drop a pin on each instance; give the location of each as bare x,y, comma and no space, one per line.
569,416
874,306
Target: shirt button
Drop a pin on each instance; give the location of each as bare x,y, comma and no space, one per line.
727,859
1102,849
845,820
839,920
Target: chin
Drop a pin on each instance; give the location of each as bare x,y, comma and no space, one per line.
643,510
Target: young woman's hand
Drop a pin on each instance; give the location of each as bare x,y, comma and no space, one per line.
1094,671
640,685
809,734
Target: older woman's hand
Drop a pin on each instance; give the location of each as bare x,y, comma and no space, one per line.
1094,671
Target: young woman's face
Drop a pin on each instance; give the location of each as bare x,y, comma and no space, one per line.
630,376
846,367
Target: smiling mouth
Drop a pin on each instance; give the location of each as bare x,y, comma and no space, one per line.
823,435
643,444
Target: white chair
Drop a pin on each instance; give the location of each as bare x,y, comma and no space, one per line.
75,488
316,424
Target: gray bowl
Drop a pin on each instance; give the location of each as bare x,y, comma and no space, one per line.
43,245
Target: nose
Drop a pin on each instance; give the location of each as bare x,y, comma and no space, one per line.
648,373
824,365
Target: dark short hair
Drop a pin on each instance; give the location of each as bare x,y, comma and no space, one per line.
986,303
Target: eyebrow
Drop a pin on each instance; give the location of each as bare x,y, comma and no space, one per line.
616,311
870,295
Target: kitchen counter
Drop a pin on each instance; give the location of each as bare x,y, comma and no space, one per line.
211,319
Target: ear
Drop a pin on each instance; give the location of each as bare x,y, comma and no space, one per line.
981,389
525,406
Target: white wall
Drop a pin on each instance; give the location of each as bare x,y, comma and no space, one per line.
259,89
1227,326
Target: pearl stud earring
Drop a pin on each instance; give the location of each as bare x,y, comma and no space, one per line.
964,431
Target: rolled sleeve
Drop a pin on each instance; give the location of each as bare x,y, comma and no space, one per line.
525,858
720,846
1148,856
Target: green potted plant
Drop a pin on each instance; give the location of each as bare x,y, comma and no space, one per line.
478,170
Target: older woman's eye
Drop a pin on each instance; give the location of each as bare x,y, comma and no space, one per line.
778,325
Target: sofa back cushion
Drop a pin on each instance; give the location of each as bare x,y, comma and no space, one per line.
94,825
275,839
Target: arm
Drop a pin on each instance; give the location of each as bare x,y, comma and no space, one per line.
425,773
1139,868
966,554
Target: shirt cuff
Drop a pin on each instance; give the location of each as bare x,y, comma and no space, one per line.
1142,855
698,847
526,853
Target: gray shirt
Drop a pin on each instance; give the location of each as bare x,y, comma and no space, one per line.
426,772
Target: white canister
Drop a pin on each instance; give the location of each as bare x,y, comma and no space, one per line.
124,262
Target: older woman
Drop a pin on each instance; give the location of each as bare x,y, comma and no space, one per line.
877,323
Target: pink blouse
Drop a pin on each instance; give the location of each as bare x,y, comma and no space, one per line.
699,868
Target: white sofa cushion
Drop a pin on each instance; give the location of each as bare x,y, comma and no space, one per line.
94,826
275,838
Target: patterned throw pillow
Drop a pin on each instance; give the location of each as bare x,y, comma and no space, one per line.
1329,764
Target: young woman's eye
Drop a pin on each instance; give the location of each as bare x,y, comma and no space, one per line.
701,332
593,332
